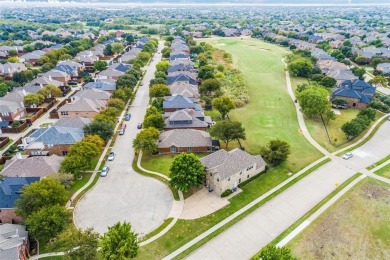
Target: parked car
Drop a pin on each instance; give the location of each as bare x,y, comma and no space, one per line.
139,126
127,117
122,131
111,156
347,156
104,171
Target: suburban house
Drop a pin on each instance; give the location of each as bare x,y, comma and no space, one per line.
10,191
384,68
130,55
40,167
58,75
172,77
173,103
184,140
73,122
184,89
32,57
81,107
187,119
52,140
226,169
78,66
357,93
8,69
11,106
93,94
180,67
44,81
70,70
14,243
108,85
110,74
182,78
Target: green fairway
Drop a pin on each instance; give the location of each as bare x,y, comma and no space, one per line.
270,113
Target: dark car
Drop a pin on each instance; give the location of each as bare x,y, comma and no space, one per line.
139,126
127,117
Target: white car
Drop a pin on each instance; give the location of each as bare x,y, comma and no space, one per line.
104,171
347,156
111,156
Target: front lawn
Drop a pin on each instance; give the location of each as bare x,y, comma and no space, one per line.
271,113
79,183
384,172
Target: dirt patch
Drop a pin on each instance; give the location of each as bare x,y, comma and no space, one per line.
356,227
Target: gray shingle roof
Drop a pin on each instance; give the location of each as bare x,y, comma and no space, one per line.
93,94
184,138
224,164
56,135
73,122
84,105
180,102
11,236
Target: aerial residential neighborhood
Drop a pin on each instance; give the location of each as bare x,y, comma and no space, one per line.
203,130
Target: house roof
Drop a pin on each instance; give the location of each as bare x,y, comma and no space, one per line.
8,106
39,166
46,81
181,77
10,190
11,236
93,94
73,122
56,135
175,119
184,138
111,73
84,105
358,89
68,69
122,67
55,73
226,163
101,84
184,88
180,102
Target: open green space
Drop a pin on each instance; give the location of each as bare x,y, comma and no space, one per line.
384,172
270,113
355,227
79,183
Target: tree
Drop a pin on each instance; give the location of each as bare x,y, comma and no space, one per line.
206,72
13,59
275,152
186,172
301,67
12,52
49,91
47,222
108,50
223,104
146,140
275,253
339,102
154,121
228,131
116,103
152,110
376,60
117,47
65,179
85,149
100,65
378,81
119,242
75,164
209,85
123,93
352,129
47,192
110,112
157,81
144,57
19,77
33,99
94,139
104,129
369,112
126,80
361,60
328,82
160,74
359,72
163,66
3,89
159,90
77,244
47,66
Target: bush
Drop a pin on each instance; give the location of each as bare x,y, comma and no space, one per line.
226,193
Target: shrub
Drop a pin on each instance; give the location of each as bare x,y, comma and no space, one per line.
226,193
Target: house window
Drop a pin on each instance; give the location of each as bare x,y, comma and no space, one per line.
229,179
249,168
217,179
239,180
189,149
64,153
247,176
50,145
64,113
77,113
240,172
354,105
173,149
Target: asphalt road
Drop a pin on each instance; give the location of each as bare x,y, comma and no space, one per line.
125,195
249,235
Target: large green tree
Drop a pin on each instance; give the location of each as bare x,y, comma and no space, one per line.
75,164
209,85
119,242
100,65
186,172
146,140
104,129
276,151
47,222
206,72
33,99
85,149
228,131
159,90
301,67
47,192
379,81
223,104
50,91
154,121
116,103
117,47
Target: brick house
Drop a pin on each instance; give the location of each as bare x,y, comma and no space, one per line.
226,169
184,140
58,75
173,103
187,119
11,106
357,93
14,242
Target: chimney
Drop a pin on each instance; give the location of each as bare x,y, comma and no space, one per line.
50,78
19,156
24,92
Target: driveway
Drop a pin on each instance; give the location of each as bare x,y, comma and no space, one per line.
249,235
125,195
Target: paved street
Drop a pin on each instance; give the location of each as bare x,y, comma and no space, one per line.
124,194
249,235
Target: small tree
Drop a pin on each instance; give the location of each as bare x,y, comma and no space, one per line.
328,82
209,85
369,112
116,103
228,131
155,121
50,91
117,47
146,140
119,242
159,90
100,65
302,67
186,172
275,253
108,50
206,72
378,81
162,66
223,104
85,149
33,99
75,164
47,192
275,152
65,179
47,222
352,129
104,129
77,244
94,139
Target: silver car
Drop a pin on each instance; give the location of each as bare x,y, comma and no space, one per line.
104,171
111,156
347,156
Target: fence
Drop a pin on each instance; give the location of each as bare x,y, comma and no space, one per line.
11,130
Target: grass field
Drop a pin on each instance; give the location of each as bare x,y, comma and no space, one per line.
271,113
357,226
384,172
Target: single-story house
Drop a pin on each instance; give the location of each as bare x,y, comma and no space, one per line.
9,68
73,122
173,103
185,89
227,169
102,84
383,67
187,119
11,106
58,75
357,93
184,140
82,107
14,242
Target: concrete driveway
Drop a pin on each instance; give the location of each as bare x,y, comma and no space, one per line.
125,195
249,235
